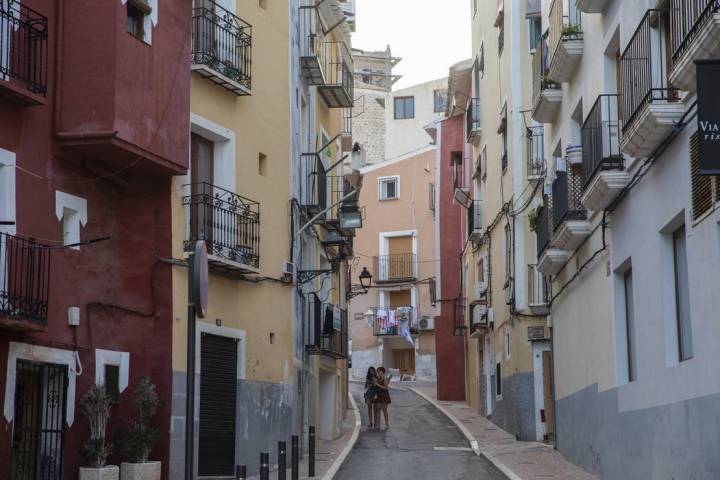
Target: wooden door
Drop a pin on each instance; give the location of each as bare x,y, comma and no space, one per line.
404,360
400,298
201,178
400,258
548,394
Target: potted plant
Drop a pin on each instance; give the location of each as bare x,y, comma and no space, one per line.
95,406
138,438
534,219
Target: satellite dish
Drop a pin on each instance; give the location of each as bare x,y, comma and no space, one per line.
200,279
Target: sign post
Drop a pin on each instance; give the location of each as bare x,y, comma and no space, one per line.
197,307
708,105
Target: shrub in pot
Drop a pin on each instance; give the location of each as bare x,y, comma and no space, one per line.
138,438
95,406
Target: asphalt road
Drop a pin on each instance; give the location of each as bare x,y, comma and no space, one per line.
415,446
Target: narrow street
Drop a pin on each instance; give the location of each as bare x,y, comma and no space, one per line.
420,444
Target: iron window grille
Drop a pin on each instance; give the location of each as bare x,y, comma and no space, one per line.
601,138
24,49
24,279
687,17
227,222
222,42
644,69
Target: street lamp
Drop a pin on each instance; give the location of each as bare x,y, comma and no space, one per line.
362,289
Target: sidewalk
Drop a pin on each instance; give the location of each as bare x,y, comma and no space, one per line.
329,455
518,460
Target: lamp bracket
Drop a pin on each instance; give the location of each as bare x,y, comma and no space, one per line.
305,276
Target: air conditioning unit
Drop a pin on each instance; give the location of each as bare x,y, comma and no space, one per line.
427,323
480,290
480,315
288,269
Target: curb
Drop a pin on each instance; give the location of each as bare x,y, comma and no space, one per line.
470,438
332,471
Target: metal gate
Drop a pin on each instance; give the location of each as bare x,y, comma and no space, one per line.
218,399
38,429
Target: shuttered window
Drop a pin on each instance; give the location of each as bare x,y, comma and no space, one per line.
705,189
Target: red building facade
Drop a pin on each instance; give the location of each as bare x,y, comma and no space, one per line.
450,347
94,121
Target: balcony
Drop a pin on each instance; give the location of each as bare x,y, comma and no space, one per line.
337,187
313,184
603,162
396,268
393,321
228,223
326,329
694,35
221,47
537,289
536,153
550,259
565,40
547,95
23,54
346,134
472,117
312,45
338,90
24,284
592,6
650,107
569,216
474,220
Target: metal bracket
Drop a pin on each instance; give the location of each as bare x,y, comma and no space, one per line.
305,276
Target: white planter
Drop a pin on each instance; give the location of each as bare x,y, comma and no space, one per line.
574,155
108,472
140,471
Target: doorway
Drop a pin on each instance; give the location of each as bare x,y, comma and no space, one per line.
218,398
404,360
548,396
38,427
202,165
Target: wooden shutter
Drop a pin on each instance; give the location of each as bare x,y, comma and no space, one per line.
702,186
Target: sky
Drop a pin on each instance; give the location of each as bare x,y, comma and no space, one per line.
429,35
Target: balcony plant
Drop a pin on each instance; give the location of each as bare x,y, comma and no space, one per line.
138,438
533,219
95,406
571,30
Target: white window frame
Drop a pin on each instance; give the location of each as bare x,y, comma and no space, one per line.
112,357
506,341
72,212
8,212
387,179
149,21
223,150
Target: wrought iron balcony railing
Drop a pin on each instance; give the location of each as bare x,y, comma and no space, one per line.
334,342
23,48
566,195
24,283
388,321
399,267
543,230
228,223
687,17
536,152
601,138
313,49
338,89
643,67
313,184
472,118
222,47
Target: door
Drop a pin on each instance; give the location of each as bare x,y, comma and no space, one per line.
548,394
218,400
201,174
404,360
488,371
39,423
400,264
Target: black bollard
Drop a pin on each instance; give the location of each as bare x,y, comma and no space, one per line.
264,466
240,472
311,452
295,458
282,457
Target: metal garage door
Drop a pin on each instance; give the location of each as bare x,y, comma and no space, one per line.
218,390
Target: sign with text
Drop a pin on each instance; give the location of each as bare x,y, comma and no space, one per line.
708,79
536,332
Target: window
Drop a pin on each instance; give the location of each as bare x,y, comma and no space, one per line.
682,295
534,31
137,10
389,188
507,344
508,252
404,107
483,163
431,197
72,212
7,191
457,164
480,273
112,381
705,189
630,325
503,133
498,380
440,99
262,164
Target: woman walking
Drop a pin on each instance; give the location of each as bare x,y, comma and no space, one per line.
370,392
382,399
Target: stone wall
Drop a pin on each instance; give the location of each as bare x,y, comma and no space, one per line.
369,123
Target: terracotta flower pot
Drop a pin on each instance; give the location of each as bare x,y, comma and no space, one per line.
141,471
108,472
